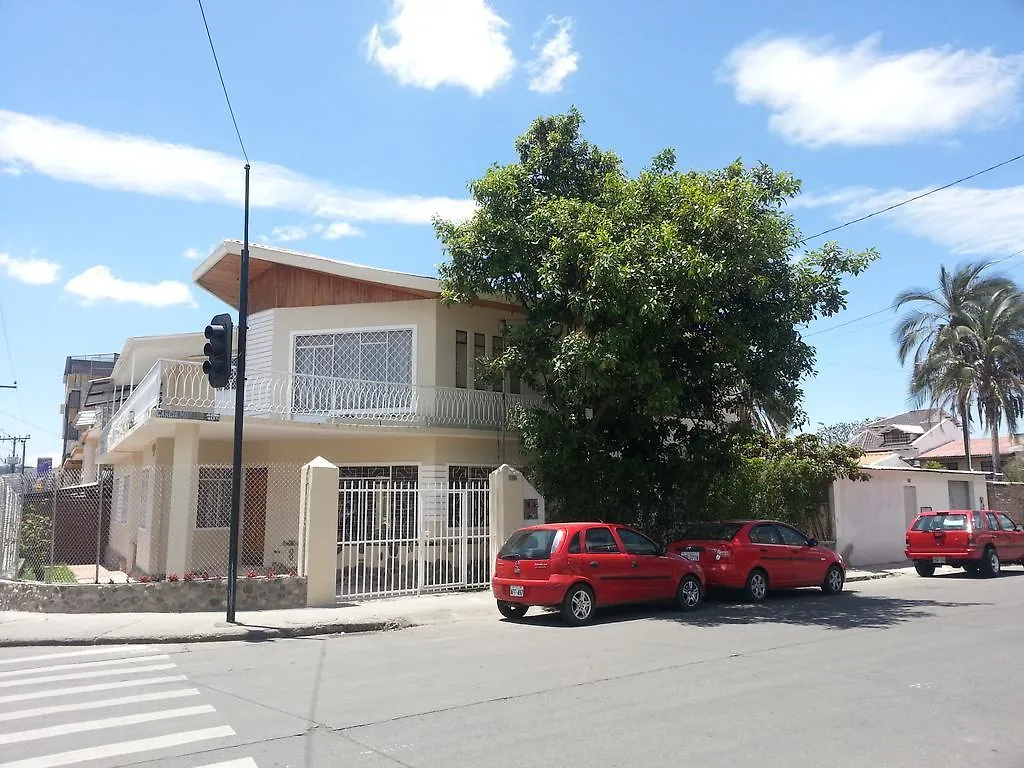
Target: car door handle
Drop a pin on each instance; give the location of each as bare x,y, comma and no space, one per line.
764,549
636,564
594,564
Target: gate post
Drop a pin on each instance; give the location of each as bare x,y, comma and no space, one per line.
506,505
318,532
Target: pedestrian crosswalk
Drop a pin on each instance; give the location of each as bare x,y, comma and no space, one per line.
105,706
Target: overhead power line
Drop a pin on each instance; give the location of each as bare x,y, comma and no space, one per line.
223,86
920,196
892,306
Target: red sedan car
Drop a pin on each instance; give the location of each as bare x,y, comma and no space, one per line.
579,567
758,555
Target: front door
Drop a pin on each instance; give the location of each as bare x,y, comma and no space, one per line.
254,519
652,576
807,564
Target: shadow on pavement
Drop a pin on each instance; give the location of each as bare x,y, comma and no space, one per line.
811,608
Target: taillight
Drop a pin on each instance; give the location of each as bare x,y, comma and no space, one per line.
908,540
970,538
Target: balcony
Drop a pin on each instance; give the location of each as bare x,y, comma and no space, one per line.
179,389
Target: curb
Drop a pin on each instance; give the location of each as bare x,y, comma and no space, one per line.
871,577
231,634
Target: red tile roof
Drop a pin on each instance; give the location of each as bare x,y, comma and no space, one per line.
980,446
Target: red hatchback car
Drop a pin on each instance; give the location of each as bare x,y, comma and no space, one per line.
579,567
758,555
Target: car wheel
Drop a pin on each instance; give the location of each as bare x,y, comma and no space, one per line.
834,580
512,610
689,594
578,606
990,564
924,569
757,585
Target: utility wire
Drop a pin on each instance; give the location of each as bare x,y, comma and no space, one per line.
223,86
892,306
914,198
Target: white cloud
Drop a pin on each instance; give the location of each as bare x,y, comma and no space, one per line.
557,59
340,229
12,170
71,152
98,284
194,254
427,43
966,220
823,94
289,233
31,271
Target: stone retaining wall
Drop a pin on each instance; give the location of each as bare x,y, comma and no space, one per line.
260,594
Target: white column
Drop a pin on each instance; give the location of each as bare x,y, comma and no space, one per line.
184,493
318,532
89,463
506,505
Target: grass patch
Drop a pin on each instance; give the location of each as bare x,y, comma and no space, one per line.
51,574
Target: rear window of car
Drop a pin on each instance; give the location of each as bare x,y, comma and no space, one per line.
711,532
941,523
532,545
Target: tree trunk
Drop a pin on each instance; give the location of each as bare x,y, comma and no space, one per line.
996,463
965,424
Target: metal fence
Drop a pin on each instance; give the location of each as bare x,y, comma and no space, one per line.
396,537
53,527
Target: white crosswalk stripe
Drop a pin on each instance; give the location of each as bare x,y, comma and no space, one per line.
134,715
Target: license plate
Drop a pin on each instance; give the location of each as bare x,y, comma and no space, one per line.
939,560
515,591
691,555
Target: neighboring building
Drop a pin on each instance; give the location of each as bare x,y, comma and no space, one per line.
951,455
79,370
909,434
871,518
363,366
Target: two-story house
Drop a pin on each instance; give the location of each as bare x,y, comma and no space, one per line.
908,435
363,366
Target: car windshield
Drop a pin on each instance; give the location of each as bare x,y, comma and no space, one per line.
941,523
532,544
712,531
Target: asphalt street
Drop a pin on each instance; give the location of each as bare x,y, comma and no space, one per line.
896,672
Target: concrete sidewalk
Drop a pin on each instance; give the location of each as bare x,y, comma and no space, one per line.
20,628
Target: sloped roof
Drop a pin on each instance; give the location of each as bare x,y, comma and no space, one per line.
870,437
980,446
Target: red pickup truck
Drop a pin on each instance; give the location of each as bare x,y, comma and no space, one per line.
979,541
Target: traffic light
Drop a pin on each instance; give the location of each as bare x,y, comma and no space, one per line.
218,351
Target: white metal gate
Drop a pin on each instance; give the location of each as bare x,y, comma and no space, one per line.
397,537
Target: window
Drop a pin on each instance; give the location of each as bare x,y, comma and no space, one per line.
378,503
790,537
469,488
976,520
1006,523
993,521
637,544
213,508
479,354
119,503
532,545
765,534
712,531
600,541
574,545
147,497
368,364
896,437
941,523
461,359
498,349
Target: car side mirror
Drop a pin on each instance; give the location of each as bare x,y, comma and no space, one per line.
812,542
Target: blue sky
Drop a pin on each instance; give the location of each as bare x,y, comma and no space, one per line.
119,165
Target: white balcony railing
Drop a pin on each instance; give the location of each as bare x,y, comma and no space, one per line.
181,386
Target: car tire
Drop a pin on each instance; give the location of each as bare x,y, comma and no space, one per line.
924,569
512,610
834,580
990,565
756,589
578,606
689,593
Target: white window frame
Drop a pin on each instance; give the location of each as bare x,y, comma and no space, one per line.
119,500
413,368
147,497
220,478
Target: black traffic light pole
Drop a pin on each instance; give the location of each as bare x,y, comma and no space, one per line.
236,459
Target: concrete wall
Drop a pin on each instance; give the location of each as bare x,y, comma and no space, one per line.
872,517
938,435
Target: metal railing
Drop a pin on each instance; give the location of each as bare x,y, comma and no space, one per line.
174,385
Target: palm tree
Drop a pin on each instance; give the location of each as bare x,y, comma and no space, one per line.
936,327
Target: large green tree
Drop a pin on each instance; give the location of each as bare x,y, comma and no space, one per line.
657,307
